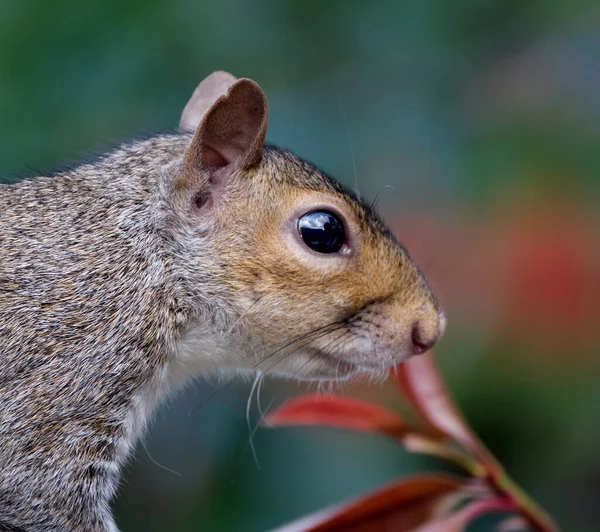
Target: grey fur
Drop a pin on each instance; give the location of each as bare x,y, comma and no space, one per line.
111,293
88,312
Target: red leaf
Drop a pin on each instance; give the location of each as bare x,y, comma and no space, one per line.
420,382
459,521
339,412
401,506
513,524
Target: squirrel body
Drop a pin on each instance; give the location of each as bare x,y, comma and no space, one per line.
169,257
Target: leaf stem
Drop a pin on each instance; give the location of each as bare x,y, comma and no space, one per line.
536,516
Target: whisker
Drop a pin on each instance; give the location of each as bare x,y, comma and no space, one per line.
256,427
248,407
375,201
303,336
321,335
350,145
342,348
337,325
233,326
317,354
216,348
262,378
157,463
343,340
334,324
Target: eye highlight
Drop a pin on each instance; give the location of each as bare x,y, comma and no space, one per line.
322,231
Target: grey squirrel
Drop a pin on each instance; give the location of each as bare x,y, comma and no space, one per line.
200,251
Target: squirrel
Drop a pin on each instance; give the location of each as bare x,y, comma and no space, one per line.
205,250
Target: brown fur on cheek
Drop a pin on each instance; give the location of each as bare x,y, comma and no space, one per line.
292,290
280,289
285,291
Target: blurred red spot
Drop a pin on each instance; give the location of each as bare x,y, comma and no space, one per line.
527,275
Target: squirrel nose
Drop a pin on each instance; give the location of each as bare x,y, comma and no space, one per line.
426,332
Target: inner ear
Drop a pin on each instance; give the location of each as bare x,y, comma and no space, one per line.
213,159
233,130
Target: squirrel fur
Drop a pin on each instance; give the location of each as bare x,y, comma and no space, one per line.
167,258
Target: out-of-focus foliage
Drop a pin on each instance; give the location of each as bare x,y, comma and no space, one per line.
474,125
427,502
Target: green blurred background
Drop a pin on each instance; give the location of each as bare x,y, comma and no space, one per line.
475,124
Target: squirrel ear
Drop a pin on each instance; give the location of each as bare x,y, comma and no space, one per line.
232,129
205,95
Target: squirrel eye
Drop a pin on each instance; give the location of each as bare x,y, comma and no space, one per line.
322,231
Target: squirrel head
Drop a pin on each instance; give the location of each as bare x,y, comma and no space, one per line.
304,279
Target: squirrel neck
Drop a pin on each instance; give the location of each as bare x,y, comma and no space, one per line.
90,315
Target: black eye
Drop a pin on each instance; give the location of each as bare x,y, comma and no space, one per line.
322,231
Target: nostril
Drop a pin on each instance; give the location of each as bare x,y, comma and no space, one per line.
421,341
